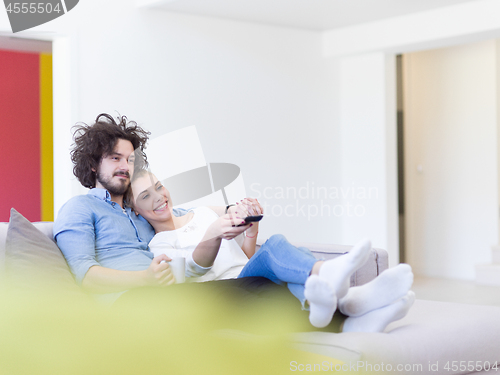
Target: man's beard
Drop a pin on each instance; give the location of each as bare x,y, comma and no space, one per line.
114,189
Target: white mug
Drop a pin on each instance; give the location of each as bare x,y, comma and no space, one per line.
178,267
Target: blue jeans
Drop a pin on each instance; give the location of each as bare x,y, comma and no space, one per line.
281,262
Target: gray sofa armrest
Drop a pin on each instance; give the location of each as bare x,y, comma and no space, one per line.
377,262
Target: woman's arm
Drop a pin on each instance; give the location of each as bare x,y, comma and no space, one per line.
221,210
224,227
244,208
250,240
252,208
239,208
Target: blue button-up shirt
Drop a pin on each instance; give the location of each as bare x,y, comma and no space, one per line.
91,230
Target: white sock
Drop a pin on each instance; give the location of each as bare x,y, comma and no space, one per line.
390,285
338,271
322,301
378,320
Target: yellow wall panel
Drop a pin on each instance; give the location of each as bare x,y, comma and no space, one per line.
46,139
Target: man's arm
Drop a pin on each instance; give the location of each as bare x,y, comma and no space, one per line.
74,231
75,236
100,279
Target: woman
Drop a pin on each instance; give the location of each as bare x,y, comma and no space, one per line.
205,237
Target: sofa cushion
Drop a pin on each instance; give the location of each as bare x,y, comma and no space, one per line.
434,338
32,259
44,226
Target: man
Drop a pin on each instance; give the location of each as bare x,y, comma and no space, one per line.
104,243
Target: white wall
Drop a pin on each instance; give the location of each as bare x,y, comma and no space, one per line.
451,132
452,25
250,87
260,97
368,133
498,129
455,25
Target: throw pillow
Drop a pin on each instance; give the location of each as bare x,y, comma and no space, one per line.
32,260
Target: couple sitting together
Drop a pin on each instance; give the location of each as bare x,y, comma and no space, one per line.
123,233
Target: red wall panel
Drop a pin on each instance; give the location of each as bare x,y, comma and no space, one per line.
19,134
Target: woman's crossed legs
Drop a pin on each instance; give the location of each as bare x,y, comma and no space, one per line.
325,284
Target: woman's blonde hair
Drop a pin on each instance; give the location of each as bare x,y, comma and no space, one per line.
129,195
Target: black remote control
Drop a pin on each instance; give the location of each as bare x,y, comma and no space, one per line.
250,219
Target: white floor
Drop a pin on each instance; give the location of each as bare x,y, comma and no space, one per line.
455,291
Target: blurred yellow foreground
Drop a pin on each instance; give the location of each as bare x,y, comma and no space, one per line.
63,333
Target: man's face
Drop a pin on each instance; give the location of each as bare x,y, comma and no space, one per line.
114,171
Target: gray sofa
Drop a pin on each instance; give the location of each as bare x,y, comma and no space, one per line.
434,338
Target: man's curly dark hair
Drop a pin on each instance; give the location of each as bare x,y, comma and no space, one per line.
93,142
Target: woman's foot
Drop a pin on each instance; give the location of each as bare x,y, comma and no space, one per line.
321,299
392,284
377,320
338,271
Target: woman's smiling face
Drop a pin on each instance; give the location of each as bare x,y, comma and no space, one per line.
151,199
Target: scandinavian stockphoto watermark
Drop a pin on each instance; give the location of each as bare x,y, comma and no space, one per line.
310,200
362,367
365,367
24,15
194,182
